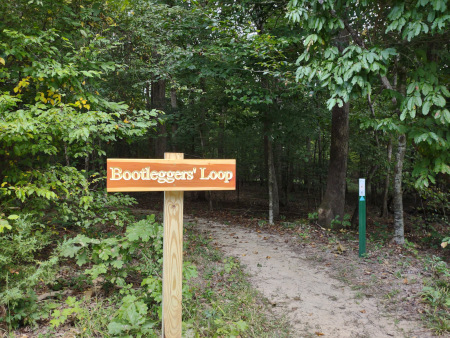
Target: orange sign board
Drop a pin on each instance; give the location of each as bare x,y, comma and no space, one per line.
170,175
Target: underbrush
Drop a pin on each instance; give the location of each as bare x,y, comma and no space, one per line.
113,257
436,295
97,272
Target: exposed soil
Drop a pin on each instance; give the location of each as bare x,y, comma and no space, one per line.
325,290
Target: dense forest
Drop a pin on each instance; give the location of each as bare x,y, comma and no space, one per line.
307,96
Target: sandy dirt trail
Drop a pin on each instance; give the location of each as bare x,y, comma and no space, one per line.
300,288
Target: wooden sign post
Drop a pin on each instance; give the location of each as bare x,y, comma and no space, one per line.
173,175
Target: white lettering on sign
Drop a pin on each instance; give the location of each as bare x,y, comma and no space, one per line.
146,174
362,187
163,176
225,176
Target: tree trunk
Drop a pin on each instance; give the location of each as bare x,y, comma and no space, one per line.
399,227
384,210
221,145
320,159
333,202
274,203
174,106
158,101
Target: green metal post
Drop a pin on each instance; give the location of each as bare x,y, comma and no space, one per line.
362,226
362,217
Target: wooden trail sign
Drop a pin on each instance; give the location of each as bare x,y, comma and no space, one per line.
173,175
170,174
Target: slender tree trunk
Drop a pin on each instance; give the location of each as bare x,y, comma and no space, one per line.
280,171
333,202
67,155
399,227
174,106
158,101
320,162
221,145
384,210
86,162
274,203
265,171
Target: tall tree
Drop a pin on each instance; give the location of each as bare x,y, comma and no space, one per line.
385,39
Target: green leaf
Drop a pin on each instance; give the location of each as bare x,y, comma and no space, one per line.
118,264
410,88
70,250
403,115
426,89
4,224
117,328
426,107
331,103
439,100
13,217
445,91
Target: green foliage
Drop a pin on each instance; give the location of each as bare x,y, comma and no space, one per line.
21,269
61,316
51,111
230,329
313,216
436,295
437,267
337,222
131,319
113,258
351,54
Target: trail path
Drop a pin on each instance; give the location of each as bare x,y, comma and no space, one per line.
302,289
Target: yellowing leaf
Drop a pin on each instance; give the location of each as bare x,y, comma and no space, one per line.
444,244
84,82
126,121
4,183
16,89
87,106
2,61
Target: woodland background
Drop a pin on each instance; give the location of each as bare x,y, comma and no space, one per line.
307,96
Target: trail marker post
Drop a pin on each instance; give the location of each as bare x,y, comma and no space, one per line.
362,217
173,175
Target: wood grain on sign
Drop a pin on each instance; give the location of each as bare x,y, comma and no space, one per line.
172,259
170,175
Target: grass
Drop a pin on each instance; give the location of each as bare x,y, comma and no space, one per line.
436,296
224,302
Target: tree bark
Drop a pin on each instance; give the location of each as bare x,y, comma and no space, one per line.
174,106
274,202
399,227
384,209
158,101
333,202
